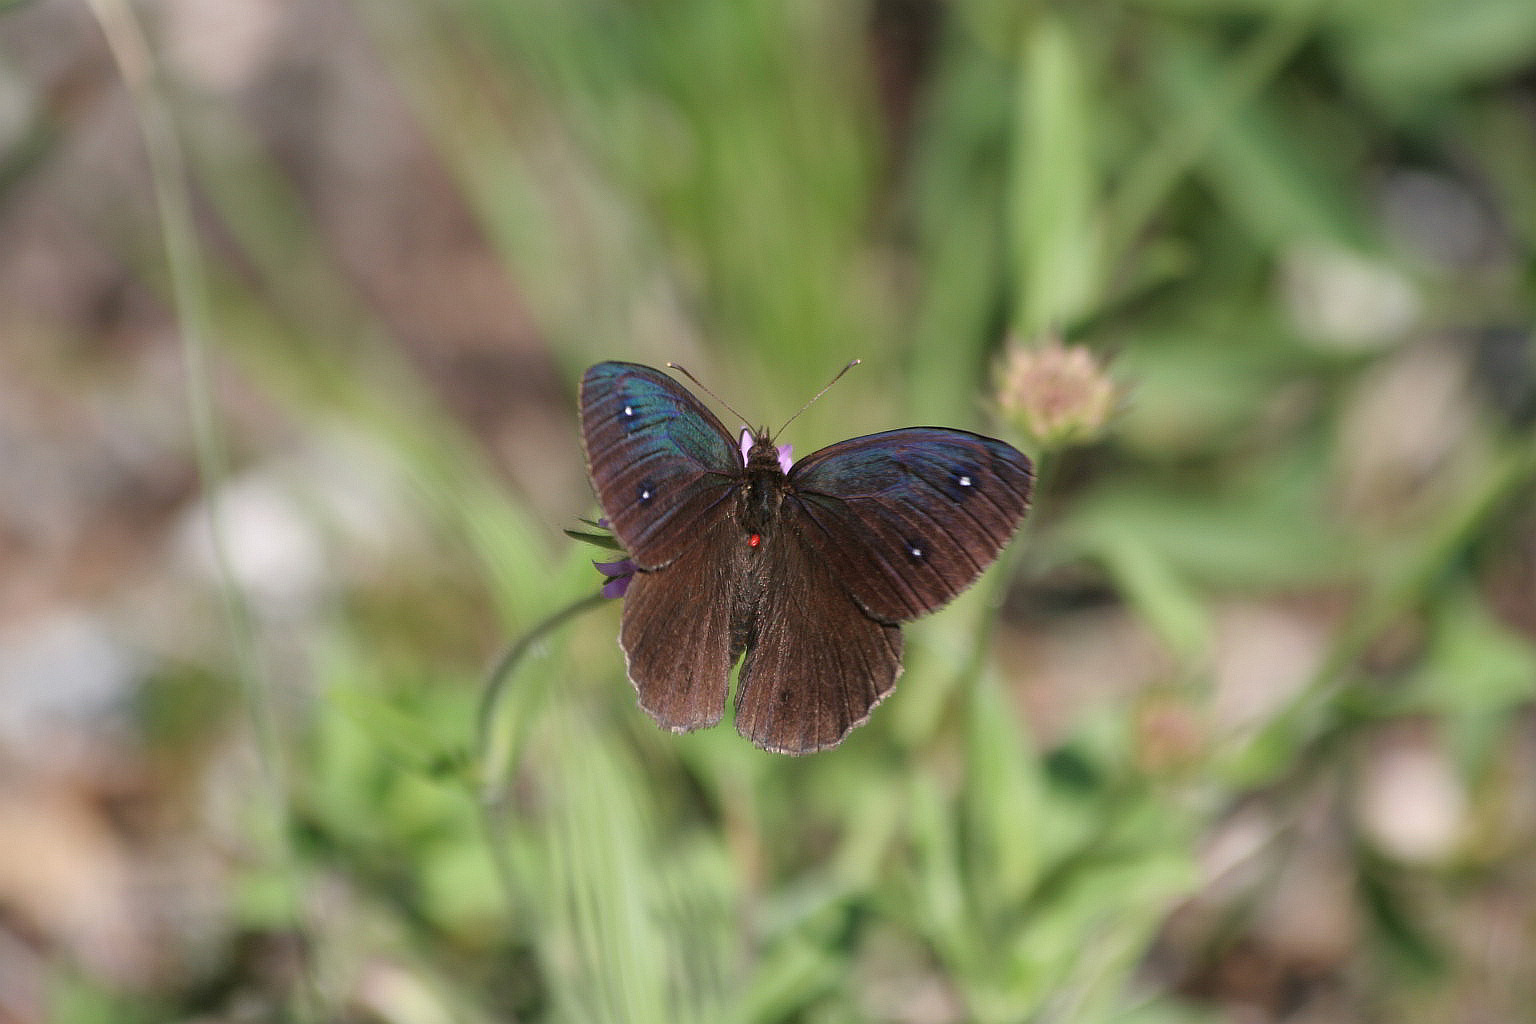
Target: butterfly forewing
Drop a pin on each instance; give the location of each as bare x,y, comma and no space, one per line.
662,463
816,665
908,519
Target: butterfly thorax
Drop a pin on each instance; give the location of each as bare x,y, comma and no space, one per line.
764,490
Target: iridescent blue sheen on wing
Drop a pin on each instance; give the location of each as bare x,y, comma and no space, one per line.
661,462
907,519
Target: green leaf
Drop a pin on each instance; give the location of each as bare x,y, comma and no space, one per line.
1002,801
1475,664
1405,51
408,738
1156,590
1056,240
1267,170
602,540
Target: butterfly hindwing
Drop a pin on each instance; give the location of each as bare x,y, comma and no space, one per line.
676,632
661,462
816,665
907,519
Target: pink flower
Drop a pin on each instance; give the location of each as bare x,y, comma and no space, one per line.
1058,394
786,451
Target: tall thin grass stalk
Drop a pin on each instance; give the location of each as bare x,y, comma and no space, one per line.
190,298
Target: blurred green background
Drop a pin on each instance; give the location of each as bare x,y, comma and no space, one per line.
295,298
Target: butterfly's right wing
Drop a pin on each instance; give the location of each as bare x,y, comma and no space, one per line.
662,464
907,519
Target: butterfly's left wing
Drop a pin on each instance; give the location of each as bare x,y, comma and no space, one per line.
908,519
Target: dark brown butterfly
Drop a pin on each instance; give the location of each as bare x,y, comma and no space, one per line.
808,571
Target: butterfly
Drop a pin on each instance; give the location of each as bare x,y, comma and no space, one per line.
809,571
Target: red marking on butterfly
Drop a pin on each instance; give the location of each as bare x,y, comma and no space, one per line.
754,540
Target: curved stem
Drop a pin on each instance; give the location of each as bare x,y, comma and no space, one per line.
492,763
496,687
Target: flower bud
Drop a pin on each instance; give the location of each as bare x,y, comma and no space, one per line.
1058,394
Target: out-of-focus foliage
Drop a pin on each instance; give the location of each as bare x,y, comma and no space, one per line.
1243,727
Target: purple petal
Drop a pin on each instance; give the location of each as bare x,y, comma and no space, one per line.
786,456
619,574
746,444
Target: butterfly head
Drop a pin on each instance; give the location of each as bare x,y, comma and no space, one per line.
759,452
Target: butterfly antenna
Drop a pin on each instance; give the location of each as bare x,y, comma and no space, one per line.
705,388
807,405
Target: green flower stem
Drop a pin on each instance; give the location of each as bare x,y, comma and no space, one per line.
493,760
